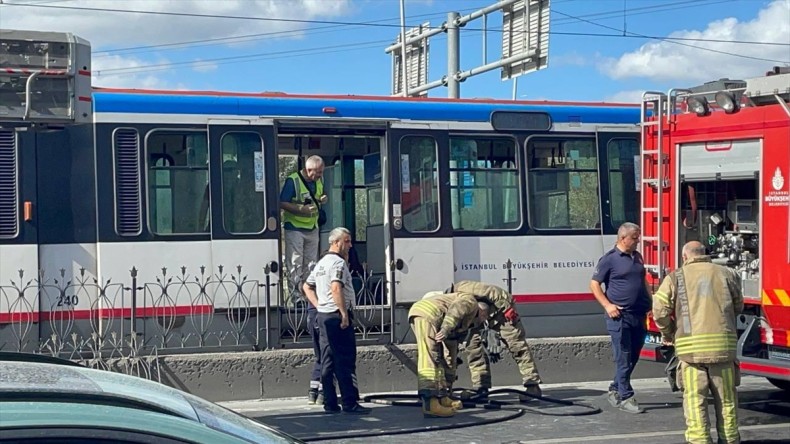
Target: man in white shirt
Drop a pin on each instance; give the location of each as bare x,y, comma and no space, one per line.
329,288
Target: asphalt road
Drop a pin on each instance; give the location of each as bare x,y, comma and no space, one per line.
764,417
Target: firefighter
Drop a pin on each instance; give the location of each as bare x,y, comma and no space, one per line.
695,308
439,321
503,318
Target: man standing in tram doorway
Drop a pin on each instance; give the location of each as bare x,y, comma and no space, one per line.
439,321
695,308
503,318
330,290
626,302
300,199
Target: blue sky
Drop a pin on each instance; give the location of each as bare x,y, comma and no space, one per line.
214,53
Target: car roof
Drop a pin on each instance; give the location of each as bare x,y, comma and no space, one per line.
34,378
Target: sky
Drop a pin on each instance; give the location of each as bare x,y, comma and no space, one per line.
598,50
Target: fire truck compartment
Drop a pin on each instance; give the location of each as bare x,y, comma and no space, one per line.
724,216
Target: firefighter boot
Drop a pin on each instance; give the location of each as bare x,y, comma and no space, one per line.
433,408
454,404
532,391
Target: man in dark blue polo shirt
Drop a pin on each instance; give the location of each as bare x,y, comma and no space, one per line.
626,302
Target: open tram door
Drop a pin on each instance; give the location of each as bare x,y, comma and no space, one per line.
417,203
244,209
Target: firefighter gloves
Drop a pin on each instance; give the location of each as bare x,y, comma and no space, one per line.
492,345
511,315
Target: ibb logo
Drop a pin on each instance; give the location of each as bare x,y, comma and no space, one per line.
778,181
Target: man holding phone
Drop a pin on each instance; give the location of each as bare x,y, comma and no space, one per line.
300,198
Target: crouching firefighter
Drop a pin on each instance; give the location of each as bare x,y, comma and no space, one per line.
695,308
483,344
439,322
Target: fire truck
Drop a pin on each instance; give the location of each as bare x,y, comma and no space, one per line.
715,167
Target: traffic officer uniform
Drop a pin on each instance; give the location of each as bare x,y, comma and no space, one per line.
704,299
503,318
338,345
452,314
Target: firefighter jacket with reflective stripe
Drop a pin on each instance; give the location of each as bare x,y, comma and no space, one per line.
301,194
695,307
490,294
453,313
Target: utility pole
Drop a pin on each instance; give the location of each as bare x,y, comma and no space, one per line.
525,47
453,56
403,47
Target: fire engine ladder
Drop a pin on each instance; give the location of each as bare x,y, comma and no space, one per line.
654,183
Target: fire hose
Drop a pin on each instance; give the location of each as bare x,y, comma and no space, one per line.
475,401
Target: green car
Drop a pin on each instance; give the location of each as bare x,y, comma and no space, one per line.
61,402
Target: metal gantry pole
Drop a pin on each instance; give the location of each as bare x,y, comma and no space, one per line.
453,56
403,48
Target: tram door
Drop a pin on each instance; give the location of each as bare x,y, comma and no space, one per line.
417,205
245,229
618,161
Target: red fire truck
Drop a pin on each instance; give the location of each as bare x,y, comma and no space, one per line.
715,166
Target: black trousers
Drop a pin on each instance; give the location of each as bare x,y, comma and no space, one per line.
312,328
338,360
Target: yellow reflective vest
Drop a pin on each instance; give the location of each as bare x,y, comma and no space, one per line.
695,307
302,193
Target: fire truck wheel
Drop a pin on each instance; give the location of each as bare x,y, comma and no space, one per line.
781,383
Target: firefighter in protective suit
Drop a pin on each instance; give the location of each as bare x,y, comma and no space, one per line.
439,322
503,318
695,308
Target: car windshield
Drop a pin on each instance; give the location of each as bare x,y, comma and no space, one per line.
228,421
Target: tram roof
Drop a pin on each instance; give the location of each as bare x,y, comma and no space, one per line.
350,106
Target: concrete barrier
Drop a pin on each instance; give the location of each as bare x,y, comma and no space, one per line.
286,373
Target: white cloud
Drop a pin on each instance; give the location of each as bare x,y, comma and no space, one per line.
110,29
121,79
201,66
628,96
670,61
573,58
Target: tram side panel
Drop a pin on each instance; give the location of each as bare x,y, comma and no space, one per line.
157,227
19,315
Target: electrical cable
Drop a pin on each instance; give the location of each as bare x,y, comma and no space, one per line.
138,69
477,401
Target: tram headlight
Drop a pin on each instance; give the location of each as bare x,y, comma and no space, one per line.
698,105
726,101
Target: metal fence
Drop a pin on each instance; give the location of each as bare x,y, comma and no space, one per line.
126,325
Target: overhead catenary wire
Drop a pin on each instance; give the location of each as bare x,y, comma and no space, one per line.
370,24
363,45
672,40
332,28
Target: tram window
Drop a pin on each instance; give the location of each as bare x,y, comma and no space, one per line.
178,184
563,183
623,195
419,183
360,202
484,189
242,202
